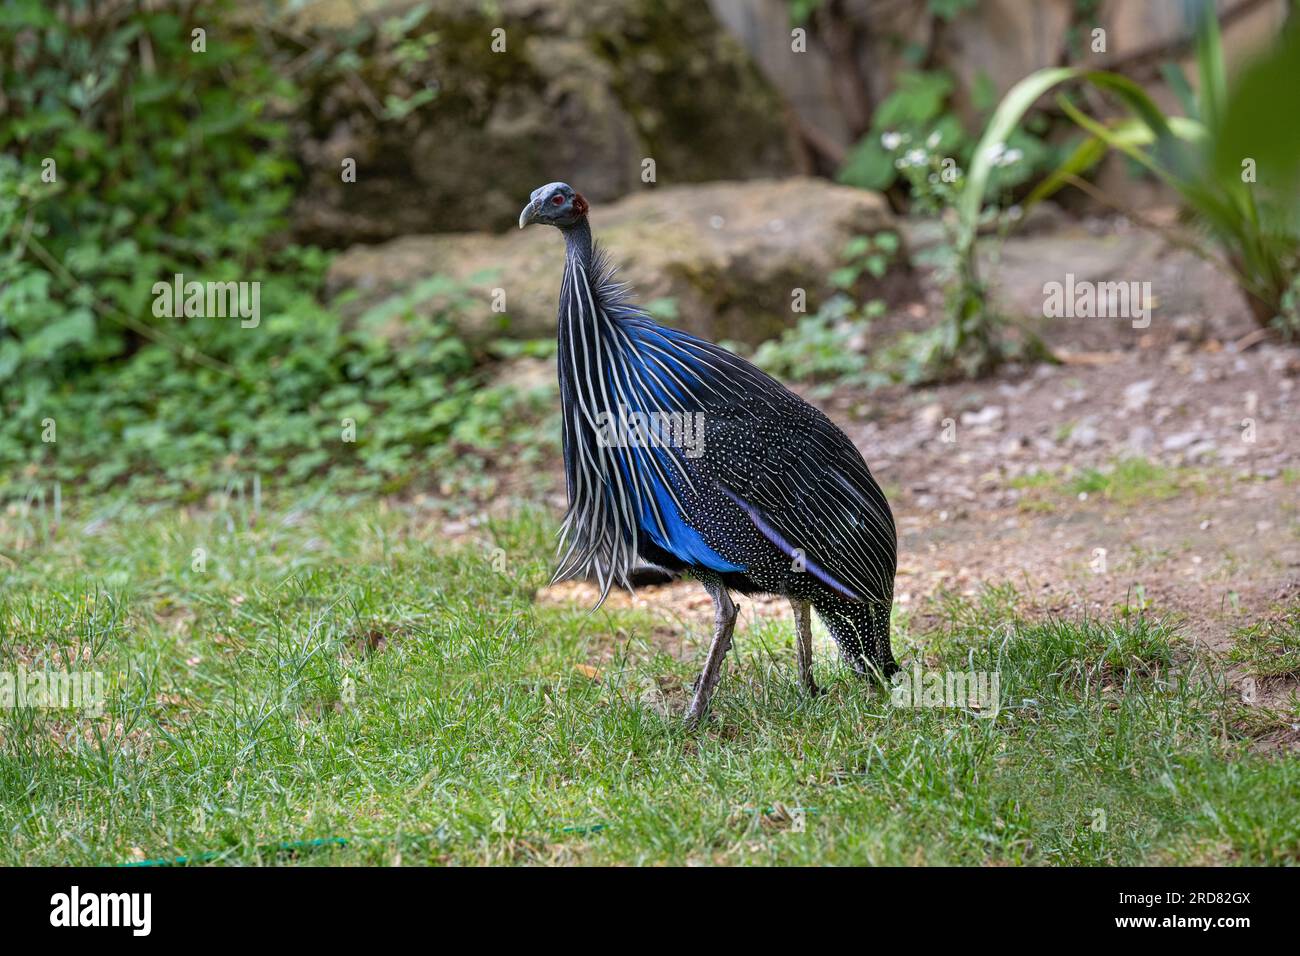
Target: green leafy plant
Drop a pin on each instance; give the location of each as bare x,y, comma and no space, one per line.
1233,160
972,339
829,345
866,255
820,348
307,397
919,109
126,156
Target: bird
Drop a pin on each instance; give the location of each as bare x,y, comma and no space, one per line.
684,456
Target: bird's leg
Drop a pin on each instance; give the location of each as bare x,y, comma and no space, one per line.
803,643
724,622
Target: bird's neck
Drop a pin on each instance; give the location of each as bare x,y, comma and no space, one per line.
581,301
583,323
577,243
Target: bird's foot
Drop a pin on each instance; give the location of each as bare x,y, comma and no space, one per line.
694,717
699,705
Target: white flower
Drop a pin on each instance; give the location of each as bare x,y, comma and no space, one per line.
999,155
891,140
933,140
1009,157
915,157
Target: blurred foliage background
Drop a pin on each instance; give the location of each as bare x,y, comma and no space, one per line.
169,160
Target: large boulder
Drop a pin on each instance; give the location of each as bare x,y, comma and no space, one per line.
584,91
729,255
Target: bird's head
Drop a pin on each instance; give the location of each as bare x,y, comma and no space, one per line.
555,204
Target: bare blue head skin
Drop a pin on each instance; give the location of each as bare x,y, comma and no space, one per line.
555,204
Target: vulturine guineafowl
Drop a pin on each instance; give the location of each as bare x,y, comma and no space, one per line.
680,454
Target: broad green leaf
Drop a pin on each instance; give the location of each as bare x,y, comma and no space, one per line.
868,165
1261,121
1005,119
1209,62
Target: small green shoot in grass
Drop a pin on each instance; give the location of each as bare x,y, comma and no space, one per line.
1270,648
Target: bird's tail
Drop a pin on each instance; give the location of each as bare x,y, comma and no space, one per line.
861,629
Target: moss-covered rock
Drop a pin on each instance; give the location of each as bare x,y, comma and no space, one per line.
584,91
728,255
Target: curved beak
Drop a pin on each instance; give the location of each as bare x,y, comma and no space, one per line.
527,216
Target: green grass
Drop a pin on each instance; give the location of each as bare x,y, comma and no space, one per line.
337,670
1271,647
1126,482
1130,480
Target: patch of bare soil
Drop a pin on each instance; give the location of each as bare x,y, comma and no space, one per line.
989,481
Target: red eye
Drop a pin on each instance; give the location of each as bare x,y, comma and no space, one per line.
557,200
